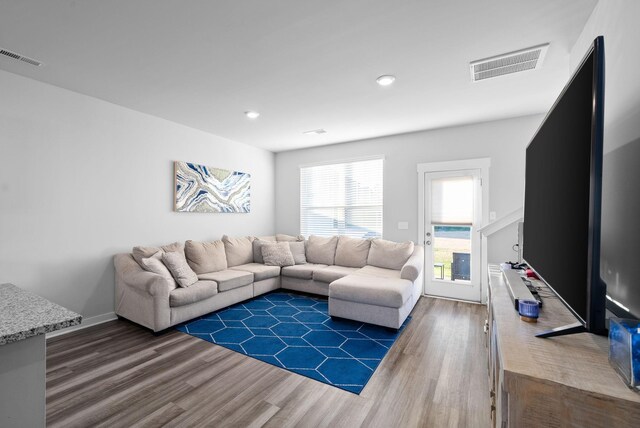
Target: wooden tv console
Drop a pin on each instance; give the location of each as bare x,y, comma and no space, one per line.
556,382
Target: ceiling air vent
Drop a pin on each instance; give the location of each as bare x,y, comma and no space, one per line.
19,57
514,62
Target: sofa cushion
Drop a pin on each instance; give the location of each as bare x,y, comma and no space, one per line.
380,272
228,279
239,251
301,271
179,268
205,257
389,254
389,292
140,253
259,271
257,248
321,250
331,273
277,254
289,238
352,252
298,252
199,291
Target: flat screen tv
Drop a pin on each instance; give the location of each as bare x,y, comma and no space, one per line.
563,186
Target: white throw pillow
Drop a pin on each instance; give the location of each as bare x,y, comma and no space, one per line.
277,254
154,264
179,268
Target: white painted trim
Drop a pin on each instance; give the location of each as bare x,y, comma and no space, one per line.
344,160
478,163
502,222
86,323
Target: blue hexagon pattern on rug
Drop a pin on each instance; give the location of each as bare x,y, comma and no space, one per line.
294,332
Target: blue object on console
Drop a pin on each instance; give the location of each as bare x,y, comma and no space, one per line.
528,309
624,349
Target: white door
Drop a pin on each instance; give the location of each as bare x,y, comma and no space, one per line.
452,214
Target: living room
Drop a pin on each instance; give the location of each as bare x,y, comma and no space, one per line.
89,139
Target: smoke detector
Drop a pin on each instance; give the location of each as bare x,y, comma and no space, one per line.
509,63
18,57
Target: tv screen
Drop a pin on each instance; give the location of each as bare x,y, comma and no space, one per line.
563,194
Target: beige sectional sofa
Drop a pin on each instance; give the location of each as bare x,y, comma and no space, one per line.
374,281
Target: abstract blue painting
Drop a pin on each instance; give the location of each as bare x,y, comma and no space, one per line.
204,189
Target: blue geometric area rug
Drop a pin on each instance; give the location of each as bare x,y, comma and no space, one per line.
295,332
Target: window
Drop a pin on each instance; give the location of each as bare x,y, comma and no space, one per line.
342,199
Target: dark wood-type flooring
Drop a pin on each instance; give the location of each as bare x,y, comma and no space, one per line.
119,375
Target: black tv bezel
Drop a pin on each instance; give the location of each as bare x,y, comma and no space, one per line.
595,287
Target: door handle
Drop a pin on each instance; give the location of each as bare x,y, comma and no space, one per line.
427,242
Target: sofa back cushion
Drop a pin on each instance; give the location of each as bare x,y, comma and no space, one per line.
389,254
239,251
140,253
257,247
321,250
352,252
288,238
205,257
277,254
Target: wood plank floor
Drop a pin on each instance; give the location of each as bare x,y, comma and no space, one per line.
120,375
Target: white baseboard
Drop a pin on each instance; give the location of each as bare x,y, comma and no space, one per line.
86,322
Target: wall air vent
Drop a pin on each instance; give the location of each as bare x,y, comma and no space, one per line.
18,57
514,62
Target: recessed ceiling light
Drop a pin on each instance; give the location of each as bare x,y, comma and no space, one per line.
251,114
315,132
385,80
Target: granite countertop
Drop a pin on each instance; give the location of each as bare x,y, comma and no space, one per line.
24,314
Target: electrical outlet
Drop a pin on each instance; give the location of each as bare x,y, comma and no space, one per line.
492,216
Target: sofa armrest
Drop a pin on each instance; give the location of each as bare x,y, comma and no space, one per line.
414,266
129,272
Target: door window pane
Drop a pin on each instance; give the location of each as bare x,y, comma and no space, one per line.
452,253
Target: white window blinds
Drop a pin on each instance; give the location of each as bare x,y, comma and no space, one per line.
452,200
342,199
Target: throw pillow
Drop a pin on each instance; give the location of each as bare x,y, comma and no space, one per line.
321,250
140,253
297,250
389,254
205,257
257,248
239,250
277,254
179,268
352,252
154,264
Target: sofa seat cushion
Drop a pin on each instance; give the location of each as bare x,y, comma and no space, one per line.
331,273
371,290
302,271
228,279
259,271
199,291
381,272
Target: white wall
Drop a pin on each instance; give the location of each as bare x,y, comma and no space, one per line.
82,179
617,21
502,141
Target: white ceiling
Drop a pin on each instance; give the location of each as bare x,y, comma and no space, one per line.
302,64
